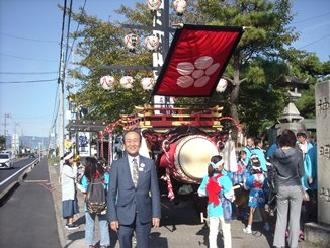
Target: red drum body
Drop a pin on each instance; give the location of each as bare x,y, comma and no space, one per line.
188,158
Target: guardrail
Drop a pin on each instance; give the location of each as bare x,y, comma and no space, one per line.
27,168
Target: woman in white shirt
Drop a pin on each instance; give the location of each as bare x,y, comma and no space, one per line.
69,200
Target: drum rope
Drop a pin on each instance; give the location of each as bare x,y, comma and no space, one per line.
167,177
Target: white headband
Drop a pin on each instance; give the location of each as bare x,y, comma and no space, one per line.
216,165
68,156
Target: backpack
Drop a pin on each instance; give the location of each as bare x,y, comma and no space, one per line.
96,196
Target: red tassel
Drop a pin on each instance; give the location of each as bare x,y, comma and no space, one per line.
213,189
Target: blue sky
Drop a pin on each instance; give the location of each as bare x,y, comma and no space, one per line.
29,43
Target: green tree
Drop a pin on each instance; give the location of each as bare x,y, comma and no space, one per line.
102,43
266,36
260,60
307,66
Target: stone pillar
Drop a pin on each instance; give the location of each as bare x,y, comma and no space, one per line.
319,233
322,95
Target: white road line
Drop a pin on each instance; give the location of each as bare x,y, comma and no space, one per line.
8,178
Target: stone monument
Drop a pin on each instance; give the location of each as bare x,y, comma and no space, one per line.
320,232
322,95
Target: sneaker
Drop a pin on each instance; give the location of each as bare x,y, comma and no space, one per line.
267,227
247,230
71,226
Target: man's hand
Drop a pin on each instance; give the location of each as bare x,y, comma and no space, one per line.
114,226
155,222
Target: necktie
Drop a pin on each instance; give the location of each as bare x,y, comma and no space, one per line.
135,175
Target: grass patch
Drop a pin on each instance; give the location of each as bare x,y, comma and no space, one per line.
54,161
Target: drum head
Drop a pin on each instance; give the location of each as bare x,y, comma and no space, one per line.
193,154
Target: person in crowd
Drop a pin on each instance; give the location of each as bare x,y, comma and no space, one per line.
95,172
133,197
253,149
256,182
249,149
69,199
272,148
260,152
240,175
217,183
306,148
288,161
308,181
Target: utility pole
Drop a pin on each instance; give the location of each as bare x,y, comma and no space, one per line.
61,112
15,140
7,116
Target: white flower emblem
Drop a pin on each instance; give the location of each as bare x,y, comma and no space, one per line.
141,167
196,74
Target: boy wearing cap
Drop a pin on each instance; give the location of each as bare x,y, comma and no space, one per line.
69,200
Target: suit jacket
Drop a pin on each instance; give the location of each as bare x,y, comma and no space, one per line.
125,200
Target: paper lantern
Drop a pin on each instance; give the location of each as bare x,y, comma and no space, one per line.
126,82
107,82
151,42
131,41
222,85
154,4
179,6
147,83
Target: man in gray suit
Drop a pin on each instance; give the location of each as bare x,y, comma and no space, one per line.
133,198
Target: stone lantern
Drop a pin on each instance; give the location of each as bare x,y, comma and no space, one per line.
290,117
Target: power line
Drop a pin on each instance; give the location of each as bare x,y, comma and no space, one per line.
61,43
75,38
24,58
316,41
68,35
32,81
311,18
67,41
56,108
28,39
28,73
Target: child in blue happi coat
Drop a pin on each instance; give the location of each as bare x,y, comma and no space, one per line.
256,182
238,178
213,185
240,175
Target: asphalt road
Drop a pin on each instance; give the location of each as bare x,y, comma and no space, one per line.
4,173
27,218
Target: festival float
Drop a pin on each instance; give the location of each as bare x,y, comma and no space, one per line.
182,140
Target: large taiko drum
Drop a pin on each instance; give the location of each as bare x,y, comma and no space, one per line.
192,156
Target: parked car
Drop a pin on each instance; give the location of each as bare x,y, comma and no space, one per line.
5,160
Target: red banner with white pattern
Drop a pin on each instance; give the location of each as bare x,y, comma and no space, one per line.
196,60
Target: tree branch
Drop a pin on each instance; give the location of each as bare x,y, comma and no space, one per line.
228,79
243,80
